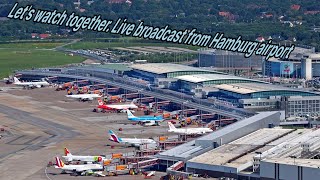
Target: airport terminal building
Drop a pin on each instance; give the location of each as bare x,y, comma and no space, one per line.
227,60
252,94
164,74
204,84
265,154
152,71
303,63
242,92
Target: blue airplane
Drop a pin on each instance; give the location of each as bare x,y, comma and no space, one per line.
144,119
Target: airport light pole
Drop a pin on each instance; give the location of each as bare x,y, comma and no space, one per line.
107,90
140,96
219,116
260,153
156,105
308,119
280,71
125,94
200,110
294,159
199,85
187,57
199,60
183,107
296,73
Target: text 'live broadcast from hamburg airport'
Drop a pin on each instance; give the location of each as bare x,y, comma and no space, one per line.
160,89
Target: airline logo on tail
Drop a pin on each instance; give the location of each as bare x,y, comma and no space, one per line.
67,152
100,102
130,115
113,137
171,126
16,80
59,163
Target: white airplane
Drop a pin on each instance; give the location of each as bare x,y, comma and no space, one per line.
69,157
172,128
32,84
130,141
79,168
84,97
119,107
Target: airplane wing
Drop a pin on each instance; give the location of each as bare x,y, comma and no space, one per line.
152,173
149,123
99,173
192,131
136,144
87,98
83,168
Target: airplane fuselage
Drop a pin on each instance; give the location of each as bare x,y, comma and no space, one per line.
191,131
84,158
84,96
81,168
117,107
136,142
32,84
146,118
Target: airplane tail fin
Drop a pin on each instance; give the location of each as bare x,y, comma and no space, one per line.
171,126
67,152
16,80
133,105
44,80
130,115
59,162
113,137
100,102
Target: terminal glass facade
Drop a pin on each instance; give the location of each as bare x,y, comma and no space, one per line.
182,73
228,60
282,69
228,81
289,69
267,94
